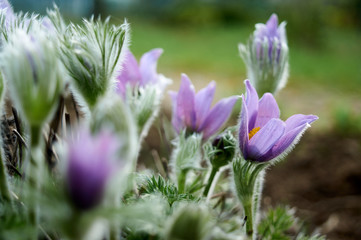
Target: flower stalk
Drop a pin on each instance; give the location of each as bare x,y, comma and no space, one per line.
34,172
210,180
182,177
248,178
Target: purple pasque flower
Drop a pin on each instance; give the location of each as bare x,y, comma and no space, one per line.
273,35
262,135
139,75
193,111
91,162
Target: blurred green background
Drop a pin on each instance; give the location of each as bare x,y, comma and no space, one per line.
200,38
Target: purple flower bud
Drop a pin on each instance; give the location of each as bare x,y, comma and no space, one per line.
193,111
91,162
266,56
263,136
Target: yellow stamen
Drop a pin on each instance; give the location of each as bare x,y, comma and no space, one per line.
253,132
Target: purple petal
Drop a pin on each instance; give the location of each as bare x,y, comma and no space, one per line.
148,66
265,139
176,120
186,103
260,32
282,32
272,23
251,103
285,142
203,102
267,109
243,129
217,116
298,120
129,73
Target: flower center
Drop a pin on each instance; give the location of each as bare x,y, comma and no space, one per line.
253,132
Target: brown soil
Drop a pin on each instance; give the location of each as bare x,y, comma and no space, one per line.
322,179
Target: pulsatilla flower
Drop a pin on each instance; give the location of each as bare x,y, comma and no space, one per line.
91,161
262,135
266,56
139,75
193,112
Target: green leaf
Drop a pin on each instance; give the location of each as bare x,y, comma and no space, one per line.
153,185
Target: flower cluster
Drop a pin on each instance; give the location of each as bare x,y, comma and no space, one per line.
87,106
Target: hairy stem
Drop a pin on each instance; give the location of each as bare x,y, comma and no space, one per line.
182,181
34,175
247,207
210,181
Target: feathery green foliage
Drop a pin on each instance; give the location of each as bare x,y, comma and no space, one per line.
91,54
167,189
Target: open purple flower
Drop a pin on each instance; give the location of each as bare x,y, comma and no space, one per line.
193,111
262,135
91,162
139,75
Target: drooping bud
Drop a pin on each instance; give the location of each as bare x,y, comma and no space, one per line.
223,149
266,56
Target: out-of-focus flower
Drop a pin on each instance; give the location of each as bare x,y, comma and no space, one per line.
139,75
193,111
33,73
266,56
91,162
142,87
262,135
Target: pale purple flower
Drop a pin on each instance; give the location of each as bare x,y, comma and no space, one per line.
262,135
193,111
91,162
141,74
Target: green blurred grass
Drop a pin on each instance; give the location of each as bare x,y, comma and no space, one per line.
212,51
